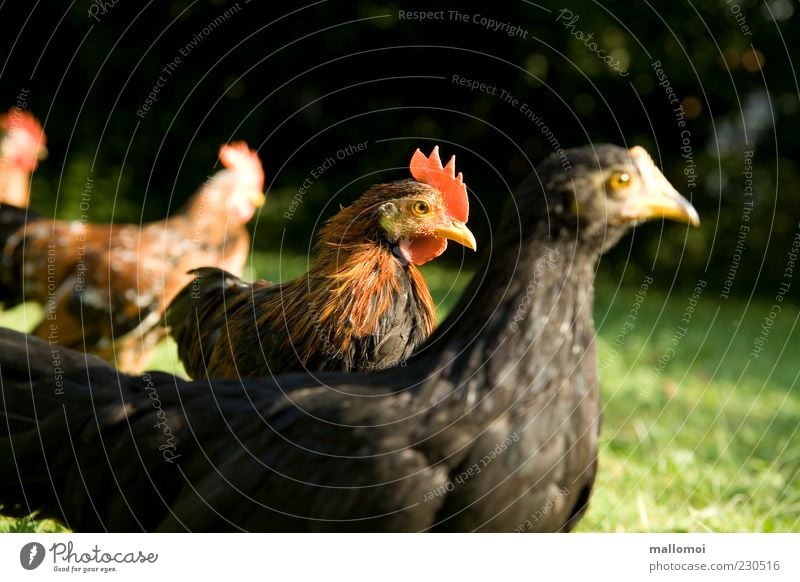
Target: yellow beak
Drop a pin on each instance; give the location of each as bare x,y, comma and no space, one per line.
669,205
258,199
457,232
658,198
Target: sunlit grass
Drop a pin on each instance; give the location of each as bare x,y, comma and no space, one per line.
711,443
27,525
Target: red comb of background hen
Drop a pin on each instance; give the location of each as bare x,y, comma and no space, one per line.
238,157
26,138
23,121
430,171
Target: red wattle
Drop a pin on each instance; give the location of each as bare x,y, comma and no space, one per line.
422,249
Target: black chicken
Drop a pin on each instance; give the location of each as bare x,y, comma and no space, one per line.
493,427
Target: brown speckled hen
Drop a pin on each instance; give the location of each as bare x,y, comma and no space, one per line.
492,427
22,147
363,305
104,287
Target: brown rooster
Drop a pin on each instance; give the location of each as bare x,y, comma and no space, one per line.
105,286
363,304
22,146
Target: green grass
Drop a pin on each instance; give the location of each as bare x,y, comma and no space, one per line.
710,443
713,444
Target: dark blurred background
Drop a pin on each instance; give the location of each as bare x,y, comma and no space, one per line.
302,81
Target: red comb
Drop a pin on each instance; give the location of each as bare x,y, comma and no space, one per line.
430,171
237,157
24,128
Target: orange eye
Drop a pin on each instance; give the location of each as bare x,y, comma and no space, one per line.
619,180
421,207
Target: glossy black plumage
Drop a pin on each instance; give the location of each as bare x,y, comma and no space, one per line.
493,426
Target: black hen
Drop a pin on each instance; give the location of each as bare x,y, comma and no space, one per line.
492,427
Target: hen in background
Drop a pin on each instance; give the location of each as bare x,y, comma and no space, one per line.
363,305
104,287
22,147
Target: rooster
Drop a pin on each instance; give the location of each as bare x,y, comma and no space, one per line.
493,426
22,147
104,287
363,305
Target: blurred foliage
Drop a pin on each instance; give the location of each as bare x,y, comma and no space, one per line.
302,81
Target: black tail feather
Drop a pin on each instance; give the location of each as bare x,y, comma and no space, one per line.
196,315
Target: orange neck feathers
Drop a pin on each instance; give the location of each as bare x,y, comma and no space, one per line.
349,289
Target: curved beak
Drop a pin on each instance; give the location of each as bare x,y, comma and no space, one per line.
458,232
258,199
658,198
661,204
